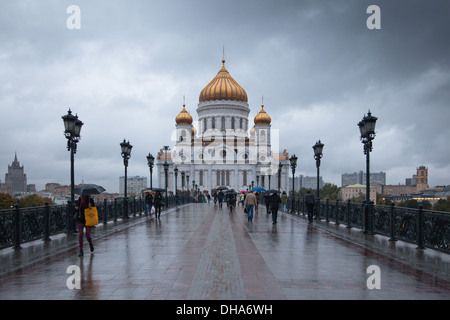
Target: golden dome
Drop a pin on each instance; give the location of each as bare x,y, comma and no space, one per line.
223,87
252,131
262,117
183,117
193,131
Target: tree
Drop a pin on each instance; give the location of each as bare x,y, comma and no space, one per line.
33,201
6,201
442,205
330,191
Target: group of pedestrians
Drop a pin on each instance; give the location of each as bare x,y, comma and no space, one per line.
250,202
272,202
155,201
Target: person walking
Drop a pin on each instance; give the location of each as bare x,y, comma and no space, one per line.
283,201
250,202
220,196
158,203
148,202
310,201
275,201
267,201
177,199
83,202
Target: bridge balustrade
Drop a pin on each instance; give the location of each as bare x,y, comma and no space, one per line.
20,225
426,228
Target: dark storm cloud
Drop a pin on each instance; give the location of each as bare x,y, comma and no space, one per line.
315,62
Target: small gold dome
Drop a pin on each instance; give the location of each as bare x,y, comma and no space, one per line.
252,131
223,87
183,117
193,131
262,117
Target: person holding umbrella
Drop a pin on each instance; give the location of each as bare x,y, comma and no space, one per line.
148,202
275,201
83,202
158,203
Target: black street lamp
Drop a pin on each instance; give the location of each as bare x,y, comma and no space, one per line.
187,183
279,176
293,160
367,130
318,148
72,129
176,175
150,162
126,154
183,184
166,172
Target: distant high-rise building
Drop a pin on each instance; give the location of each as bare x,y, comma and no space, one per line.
376,178
15,179
306,182
135,185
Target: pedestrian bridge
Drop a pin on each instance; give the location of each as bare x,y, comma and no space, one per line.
200,252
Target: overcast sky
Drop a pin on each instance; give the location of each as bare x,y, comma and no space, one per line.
318,66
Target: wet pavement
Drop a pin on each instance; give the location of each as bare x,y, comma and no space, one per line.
200,252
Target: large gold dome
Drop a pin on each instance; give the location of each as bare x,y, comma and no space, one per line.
223,87
262,117
183,117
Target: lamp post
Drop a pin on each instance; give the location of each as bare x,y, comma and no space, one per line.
187,183
318,148
367,130
279,176
293,160
166,172
150,162
126,154
72,129
176,175
183,175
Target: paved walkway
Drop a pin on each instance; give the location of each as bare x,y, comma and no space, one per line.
200,252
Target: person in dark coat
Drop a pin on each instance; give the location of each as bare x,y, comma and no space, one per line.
148,202
267,201
275,201
158,203
220,197
83,202
310,202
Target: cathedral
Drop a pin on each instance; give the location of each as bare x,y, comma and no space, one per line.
226,149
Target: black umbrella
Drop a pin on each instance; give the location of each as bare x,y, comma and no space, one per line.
155,189
272,191
87,189
221,188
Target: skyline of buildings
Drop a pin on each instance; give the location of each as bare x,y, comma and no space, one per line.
16,180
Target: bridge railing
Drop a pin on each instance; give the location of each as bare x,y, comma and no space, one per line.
426,228
20,225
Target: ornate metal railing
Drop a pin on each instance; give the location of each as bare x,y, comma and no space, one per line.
426,228
20,225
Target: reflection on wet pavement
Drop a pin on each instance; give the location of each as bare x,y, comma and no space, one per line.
200,252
